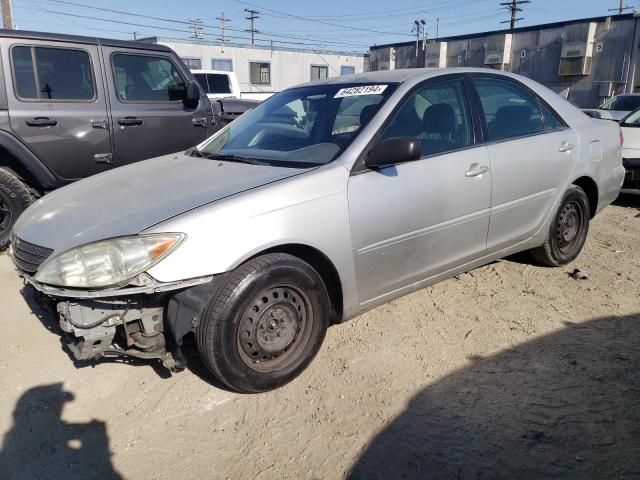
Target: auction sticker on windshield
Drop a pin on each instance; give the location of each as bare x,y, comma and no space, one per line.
361,90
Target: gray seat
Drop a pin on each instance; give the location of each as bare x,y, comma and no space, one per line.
439,126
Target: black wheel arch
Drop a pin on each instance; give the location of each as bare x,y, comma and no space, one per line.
590,188
19,160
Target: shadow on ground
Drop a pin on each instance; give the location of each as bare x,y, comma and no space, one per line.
564,406
40,445
629,199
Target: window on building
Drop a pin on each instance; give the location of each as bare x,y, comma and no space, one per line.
192,63
436,114
510,111
260,73
222,64
319,72
62,74
145,78
347,70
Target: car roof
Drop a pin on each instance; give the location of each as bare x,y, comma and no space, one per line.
400,75
59,37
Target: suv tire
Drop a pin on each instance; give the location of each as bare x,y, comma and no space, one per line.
264,324
15,197
568,230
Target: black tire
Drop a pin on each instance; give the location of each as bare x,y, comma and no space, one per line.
15,197
264,324
568,230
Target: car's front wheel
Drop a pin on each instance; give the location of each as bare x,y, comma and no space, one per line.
264,324
568,230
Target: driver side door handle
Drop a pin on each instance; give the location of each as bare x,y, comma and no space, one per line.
476,170
566,147
199,122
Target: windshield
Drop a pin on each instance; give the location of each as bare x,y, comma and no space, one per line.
624,103
214,82
301,127
632,120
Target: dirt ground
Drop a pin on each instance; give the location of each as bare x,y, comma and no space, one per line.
510,371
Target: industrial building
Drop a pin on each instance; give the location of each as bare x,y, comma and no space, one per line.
264,69
587,60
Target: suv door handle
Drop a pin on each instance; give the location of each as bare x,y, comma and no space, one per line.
566,147
476,170
42,122
199,122
129,121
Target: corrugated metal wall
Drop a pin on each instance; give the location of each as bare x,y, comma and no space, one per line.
611,70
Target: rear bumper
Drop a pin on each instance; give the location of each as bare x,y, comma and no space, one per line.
632,176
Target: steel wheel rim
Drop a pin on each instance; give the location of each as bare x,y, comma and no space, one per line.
570,227
274,328
6,215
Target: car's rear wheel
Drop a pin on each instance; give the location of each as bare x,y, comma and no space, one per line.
264,324
15,197
568,230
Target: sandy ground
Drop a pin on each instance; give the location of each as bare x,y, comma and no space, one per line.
510,371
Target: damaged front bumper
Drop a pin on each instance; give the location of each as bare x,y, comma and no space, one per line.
145,321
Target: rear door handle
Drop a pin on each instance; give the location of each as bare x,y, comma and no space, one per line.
199,122
476,170
129,121
566,147
42,122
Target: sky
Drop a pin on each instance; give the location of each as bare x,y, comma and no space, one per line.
328,24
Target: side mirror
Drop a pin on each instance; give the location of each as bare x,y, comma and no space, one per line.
191,95
392,151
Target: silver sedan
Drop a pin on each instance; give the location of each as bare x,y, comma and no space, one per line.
326,200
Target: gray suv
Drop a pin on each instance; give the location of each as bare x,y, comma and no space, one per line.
71,107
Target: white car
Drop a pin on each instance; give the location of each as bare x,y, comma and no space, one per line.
615,108
631,149
219,84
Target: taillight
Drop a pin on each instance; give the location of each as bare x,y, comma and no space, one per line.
621,138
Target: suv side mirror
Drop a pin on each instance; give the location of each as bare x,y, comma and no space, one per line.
392,151
191,95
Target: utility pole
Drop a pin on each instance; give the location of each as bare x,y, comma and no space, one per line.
514,7
7,16
252,17
621,8
416,27
135,35
196,28
223,20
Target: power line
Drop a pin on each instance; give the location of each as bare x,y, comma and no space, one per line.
252,17
190,24
321,21
514,7
621,8
185,31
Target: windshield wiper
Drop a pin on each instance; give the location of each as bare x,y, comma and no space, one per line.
226,157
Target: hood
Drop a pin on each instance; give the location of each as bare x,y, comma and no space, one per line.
130,199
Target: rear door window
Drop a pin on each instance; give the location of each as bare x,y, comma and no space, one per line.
50,74
509,110
146,78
